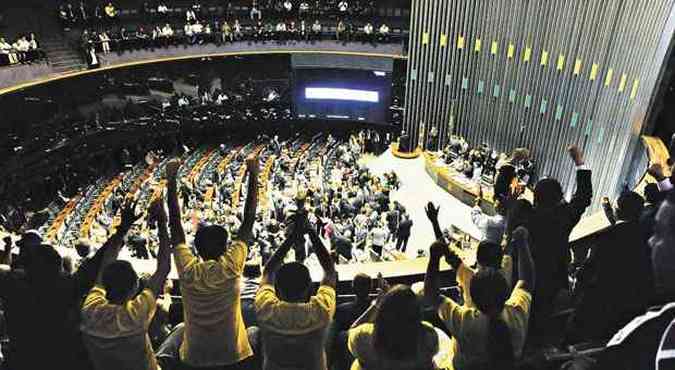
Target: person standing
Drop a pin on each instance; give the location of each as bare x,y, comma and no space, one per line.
403,233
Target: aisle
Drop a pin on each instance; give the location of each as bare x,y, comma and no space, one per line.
417,188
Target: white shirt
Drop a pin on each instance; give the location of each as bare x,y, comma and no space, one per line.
379,235
384,28
316,27
197,28
343,6
491,227
167,31
368,29
188,30
288,5
161,8
281,27
5,47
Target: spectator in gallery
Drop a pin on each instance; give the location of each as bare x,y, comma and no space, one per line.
303,9
255,11
7,49
347,313
110,12
36,281
339,30
227,34
342,8
550,227
383,34
105,42
316,30
115,319
288,7
403,232
491,227
391,334
281,31
162,9
603,308
303,30
190,16
653,199
214,330
293,322
238,35
492,334
368,33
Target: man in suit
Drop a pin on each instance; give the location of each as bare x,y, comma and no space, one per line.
550,228
507,174
617,282
403,232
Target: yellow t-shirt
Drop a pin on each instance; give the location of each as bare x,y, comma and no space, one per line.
294,333
465,273
116,336
361,346
469,328
215,334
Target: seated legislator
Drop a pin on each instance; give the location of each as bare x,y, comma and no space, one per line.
215,335
492,334
293,323
115,319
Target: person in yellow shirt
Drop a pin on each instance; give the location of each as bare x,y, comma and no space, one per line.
492,334
115,319
391,334
488,255
214,332
292,322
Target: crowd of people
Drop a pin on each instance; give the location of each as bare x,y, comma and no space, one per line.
24,50
283,22
239,315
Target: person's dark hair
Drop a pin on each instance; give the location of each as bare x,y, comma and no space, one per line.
398,322
629,206
489,292
211,241
45,261
292,282
362,285
252,271
547,193
519,214
119,280
652,194
489,254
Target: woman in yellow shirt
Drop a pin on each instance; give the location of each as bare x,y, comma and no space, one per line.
392,336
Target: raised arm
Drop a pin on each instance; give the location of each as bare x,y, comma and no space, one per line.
326,261
6,256
526,272
175,223
432,215
158,279
251,206
431,279
109,251
584,192
273,264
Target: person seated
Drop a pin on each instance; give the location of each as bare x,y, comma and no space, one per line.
316,30
492,334
8,50
368,35
303,9
255,11
214,332
288,7
293,322
115,317
227,34
383,33
292,31
340,30
604,284
391,334
280,32
238,35
110,11
347,313
35,281
303,30
190,16
342,8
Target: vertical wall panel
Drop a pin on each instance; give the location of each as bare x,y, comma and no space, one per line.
539,74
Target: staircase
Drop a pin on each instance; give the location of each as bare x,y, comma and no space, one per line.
62,56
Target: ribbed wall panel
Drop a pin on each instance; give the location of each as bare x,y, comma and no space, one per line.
539,74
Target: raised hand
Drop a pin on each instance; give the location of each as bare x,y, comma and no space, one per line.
382,285
172,168
432,212
156,211
128,214
576,154
437,250
656,170
452,259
